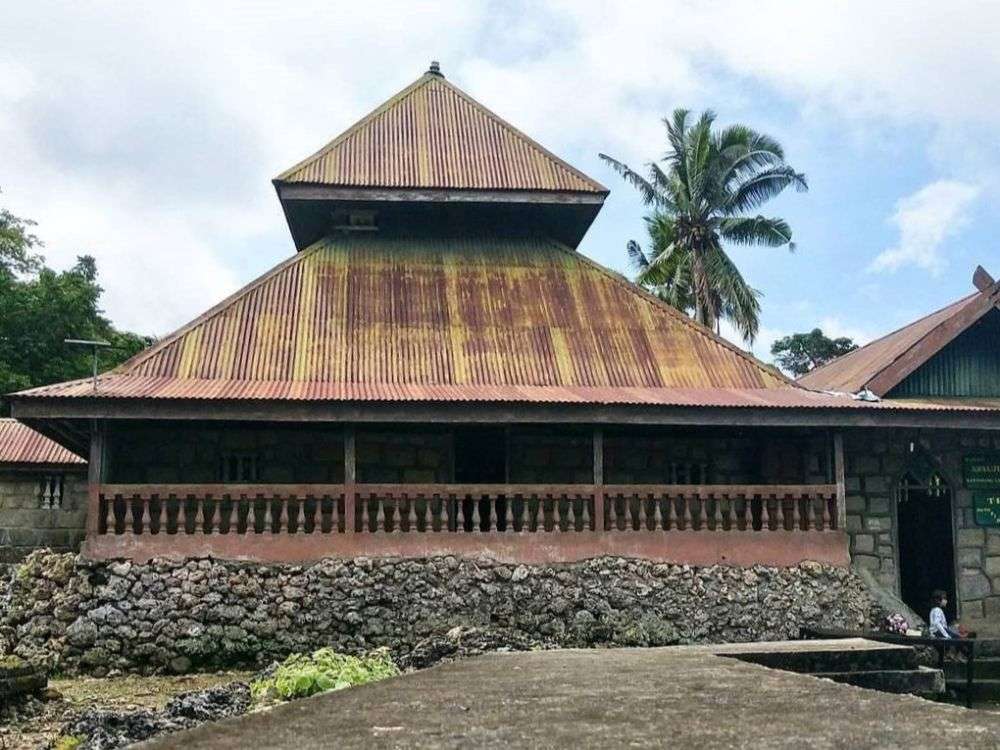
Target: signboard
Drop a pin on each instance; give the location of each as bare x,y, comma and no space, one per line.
981,472
987,508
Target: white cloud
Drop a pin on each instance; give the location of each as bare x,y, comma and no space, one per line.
925,219
147,134
833,327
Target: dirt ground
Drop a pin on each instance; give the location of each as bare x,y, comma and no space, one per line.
125,692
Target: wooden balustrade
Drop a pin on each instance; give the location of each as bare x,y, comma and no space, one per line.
504,509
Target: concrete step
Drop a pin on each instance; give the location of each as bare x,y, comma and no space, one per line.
920,681
873,657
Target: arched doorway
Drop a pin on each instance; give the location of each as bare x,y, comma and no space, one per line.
925,538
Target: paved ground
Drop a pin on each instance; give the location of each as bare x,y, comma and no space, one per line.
681,697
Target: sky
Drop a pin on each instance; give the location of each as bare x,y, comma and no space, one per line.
147,134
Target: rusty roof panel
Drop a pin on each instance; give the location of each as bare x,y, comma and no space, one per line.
433,135
480,315
854,371
19,444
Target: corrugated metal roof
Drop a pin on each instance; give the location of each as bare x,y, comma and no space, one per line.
402,318
19,444
854,371
433,135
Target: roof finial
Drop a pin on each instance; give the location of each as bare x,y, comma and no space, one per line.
435,69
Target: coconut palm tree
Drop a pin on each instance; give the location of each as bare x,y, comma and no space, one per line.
701,198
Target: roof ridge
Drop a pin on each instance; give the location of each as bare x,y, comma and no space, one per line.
138,359
656,302
890,334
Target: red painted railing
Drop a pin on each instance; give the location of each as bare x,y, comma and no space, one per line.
778,524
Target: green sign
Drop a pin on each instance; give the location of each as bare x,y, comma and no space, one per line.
982,472
987,508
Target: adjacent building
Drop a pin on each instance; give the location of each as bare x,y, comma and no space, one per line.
43,493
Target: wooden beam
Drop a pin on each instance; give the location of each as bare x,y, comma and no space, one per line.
982,280
840,479
95,476
598,479
297,191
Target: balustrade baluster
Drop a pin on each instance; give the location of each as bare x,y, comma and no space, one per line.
819,513
585,514
492,500
657,514
411,514
475,515
269,515
282,514
686,503
669,521
434,506
827,515
381,514
508,514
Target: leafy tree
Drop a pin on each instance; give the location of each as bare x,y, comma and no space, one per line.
702,198
802,352
41,307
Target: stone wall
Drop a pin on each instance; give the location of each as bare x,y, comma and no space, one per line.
204,614
874,463
25,525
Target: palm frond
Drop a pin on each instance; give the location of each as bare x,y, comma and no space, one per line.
757,230
763,186
640,183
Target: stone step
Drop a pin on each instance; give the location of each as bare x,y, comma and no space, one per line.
873,658
987,647
919,681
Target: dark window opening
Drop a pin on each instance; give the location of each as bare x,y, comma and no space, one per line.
481,458
239,467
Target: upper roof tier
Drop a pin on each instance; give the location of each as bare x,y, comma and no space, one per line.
433,144
22,447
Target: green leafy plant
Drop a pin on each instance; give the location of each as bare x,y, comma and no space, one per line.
300,675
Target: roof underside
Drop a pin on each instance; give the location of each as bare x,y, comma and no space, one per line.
854,371
382,318
21,445
433,135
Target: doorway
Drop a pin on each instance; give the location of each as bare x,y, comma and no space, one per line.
926,543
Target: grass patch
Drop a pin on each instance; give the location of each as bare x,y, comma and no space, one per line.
300,676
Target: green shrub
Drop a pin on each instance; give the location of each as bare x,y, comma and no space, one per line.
300,676
70,742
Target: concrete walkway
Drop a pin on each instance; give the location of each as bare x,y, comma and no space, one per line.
682,697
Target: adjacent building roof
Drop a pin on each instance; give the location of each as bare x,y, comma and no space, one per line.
372,317
884,363
433,135
20,445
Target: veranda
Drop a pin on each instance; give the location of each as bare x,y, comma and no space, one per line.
516,492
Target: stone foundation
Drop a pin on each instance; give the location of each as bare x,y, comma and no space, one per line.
202,614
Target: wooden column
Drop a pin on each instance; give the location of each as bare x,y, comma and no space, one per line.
350,479
95,476
838,472
598,479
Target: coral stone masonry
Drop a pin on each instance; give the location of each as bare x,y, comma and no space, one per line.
93,617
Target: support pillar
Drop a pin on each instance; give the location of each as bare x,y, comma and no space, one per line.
350,479
839,478
598,479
